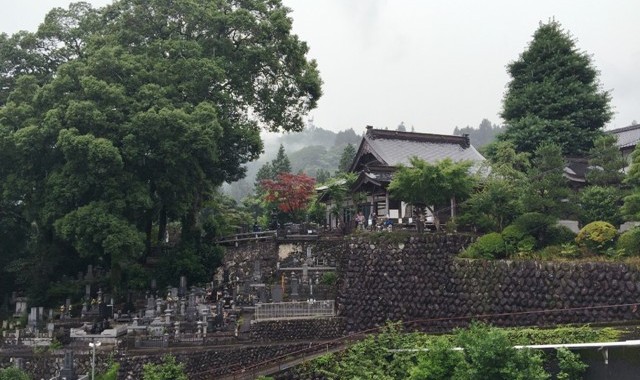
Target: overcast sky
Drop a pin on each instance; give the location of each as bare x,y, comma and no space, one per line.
433,64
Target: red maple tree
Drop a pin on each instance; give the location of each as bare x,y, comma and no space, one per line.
291,192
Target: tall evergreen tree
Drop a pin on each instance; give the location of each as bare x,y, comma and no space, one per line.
346,158
281,163
554,95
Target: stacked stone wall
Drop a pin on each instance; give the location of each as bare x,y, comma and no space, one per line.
419,279
298,329
201,364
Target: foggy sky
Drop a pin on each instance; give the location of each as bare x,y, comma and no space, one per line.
433,65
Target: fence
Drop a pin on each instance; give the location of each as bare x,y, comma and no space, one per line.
294,310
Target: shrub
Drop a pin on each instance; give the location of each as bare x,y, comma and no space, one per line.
596,236
600,203
168,370
13,374
489,246
111,374
536,225
516,238
629,242
570,364
329,278
560,235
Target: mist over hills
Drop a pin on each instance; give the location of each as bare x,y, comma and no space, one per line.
310,150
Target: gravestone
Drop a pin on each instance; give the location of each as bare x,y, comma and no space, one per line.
192,309
182,291
257,273
276,293
32,320
68,372
262,294
150,311
89,275
294,286
21,307
18,363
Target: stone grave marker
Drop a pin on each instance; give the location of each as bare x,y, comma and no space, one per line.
257,273
68,371
21,307
276,293
294,286
182,291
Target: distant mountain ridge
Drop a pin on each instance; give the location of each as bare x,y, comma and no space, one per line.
485,134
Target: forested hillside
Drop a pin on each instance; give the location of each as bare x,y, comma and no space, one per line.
483,135
310,151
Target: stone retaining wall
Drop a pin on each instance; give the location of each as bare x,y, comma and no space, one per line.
418,279
210,364
298,329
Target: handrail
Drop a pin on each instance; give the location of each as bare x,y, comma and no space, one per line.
248,236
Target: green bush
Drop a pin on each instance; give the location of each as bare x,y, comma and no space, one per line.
558,235
600,203
596,237
536,225
517,240
111,374
13,374
629,242
168,370
329,278
489,246
570,364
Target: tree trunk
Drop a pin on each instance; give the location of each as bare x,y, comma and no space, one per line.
419,214
162,225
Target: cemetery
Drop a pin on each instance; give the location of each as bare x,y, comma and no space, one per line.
274,298
265,293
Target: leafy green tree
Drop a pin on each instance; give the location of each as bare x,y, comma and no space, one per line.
131,115
570,364
346,158
488,354
338,189
431,186
554,95
168,370
492,207
631,206
439,363
606,164
547,189
600,203
265,172
506,161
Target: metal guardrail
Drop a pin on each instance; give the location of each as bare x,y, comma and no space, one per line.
294,310
248,236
